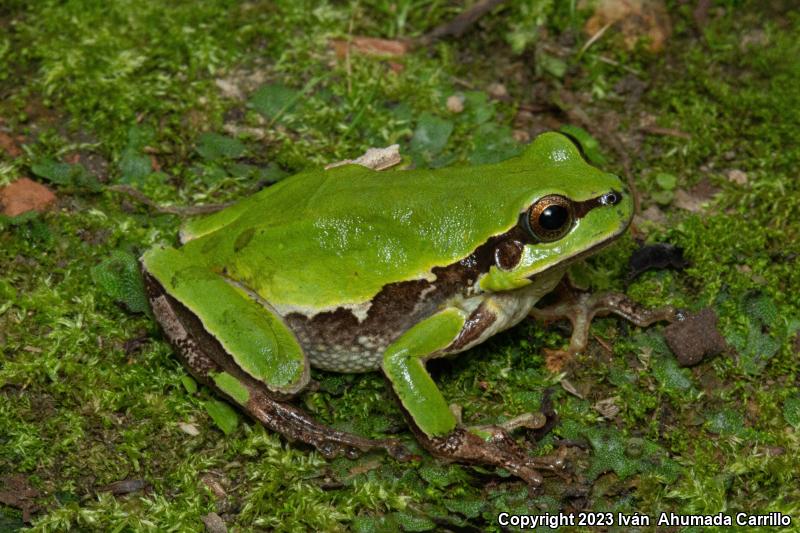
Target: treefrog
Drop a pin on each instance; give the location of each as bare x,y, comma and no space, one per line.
354,270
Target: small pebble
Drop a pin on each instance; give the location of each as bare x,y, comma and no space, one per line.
497,90
189,429
214,523
737,176
455,103
521,136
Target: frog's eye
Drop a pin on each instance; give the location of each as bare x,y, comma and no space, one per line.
550,218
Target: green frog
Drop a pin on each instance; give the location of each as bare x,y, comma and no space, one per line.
355,270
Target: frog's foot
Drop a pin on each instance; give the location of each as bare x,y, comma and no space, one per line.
203,356
491,445
437,425
581,307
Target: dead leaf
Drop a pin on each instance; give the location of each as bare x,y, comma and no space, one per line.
570,388
635,19
737,176
686,201
654,214
9,145
365,467
700,13
25,195
695,200
528,420
607,407
374,158
669,132
554,360
369,46
236,130
125,486
17,493
521,136
189,429
96,164
229,89
214,485
497,90
753,39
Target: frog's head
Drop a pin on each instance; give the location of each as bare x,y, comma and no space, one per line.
572,209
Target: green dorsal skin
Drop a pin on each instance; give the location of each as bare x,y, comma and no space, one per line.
324,239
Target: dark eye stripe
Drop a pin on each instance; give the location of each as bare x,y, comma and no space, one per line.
609,198
538,228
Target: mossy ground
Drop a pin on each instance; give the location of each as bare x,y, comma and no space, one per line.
144,93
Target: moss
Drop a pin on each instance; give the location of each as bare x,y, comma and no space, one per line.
130,93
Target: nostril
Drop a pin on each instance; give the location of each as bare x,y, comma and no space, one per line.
611,198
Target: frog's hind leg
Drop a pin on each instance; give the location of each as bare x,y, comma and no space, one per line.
581,307
207,361
249,330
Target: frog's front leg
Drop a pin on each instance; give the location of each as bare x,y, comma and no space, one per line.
432,421
581,307
203,335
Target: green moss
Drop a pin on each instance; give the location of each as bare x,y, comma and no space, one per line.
130,93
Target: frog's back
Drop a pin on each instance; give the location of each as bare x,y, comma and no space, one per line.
320,240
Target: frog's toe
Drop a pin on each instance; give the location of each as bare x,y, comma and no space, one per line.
556,462
488,445
535,420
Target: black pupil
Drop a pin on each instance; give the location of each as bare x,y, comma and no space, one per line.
553,217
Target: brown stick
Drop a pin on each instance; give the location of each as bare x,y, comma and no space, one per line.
669,132
461,23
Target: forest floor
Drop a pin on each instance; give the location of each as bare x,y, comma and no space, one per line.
194,103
